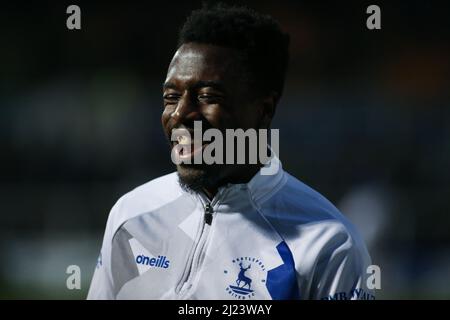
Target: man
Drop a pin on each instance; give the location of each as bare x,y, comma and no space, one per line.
227,231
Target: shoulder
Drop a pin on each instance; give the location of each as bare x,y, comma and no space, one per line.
144,198
296,203
310,224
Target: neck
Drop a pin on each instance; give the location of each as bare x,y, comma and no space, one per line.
243,174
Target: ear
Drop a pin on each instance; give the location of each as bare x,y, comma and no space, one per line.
267,110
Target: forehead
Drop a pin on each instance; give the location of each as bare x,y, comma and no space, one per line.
199,62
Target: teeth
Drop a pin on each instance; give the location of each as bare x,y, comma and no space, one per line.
184,140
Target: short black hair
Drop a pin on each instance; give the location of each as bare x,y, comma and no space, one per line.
264,47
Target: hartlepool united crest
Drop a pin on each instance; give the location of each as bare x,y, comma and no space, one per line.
245,276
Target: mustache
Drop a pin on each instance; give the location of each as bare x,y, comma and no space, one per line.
190,127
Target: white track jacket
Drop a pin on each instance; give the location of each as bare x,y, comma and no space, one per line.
271,238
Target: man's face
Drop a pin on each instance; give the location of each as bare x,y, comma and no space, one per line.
207,83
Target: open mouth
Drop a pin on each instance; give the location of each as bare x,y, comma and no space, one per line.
184,146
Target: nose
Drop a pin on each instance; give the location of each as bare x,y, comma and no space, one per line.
186,110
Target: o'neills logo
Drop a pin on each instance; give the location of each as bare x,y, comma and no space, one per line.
160,262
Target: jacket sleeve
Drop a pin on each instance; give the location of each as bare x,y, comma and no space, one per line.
341,273
102,283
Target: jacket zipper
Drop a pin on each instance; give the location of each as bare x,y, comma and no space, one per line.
208,215
200,241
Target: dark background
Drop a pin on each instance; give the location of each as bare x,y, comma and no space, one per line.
365,119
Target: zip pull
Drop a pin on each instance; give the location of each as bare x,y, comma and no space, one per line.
208,214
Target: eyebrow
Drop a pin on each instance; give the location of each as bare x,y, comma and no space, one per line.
199,84
169,85
209,83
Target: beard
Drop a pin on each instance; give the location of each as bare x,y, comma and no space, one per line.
194,178
197,177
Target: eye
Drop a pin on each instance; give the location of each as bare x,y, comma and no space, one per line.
204,96
209,98
171,97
